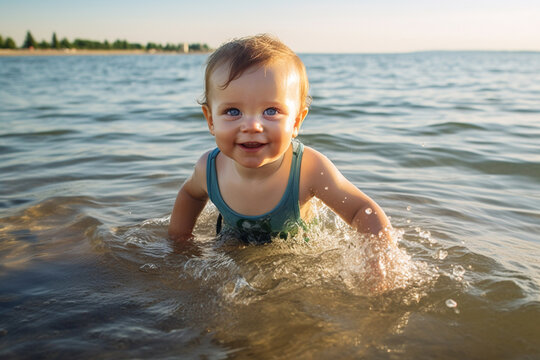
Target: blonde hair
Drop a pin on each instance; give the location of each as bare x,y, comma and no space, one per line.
244,53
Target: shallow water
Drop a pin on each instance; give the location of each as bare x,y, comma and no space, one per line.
94,149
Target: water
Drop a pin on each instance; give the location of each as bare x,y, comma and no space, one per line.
94,149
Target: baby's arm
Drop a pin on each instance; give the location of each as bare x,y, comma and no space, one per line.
190,201
326,182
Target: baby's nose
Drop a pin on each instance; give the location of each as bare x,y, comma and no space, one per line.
252,124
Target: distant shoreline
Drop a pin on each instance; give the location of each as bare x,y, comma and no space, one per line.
75,52
78,52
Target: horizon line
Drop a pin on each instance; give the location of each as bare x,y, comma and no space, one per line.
18,49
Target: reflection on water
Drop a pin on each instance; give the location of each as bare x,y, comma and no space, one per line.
94,149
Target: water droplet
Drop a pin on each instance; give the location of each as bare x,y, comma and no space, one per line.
408,221
368,211
326,188
409,208
442,254
149,268
451,303
423,144
458,271
322,173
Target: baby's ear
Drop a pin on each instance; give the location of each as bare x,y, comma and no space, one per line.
299,120
208,115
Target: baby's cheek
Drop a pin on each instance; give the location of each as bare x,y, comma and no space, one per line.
289,125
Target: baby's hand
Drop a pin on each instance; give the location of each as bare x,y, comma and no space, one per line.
379,252
377,275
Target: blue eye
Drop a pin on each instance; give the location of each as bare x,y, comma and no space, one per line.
233,112
270,111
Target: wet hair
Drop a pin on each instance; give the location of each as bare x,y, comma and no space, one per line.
244,53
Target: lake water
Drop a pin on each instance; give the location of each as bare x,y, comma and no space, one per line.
93,150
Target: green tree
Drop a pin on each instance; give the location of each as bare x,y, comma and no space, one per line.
29,41
195,47
9,43
170,47
1,42
64,44
87,44
54,42
154,46
120,45
43,45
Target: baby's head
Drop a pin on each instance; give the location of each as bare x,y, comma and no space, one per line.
254,51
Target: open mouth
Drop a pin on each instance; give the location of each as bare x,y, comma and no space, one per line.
251,145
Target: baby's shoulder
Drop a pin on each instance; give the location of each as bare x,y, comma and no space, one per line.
316,173
312,160
201,165
317,169
204,158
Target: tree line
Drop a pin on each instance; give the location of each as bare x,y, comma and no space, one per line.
31,43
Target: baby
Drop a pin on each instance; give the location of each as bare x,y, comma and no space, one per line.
260,178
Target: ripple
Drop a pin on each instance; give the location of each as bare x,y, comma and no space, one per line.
451,127
523,110
109,117
53,133
58,115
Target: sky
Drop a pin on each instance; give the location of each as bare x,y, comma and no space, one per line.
307,26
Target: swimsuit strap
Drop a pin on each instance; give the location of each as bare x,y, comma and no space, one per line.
211,176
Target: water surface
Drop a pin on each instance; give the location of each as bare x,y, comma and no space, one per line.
94,148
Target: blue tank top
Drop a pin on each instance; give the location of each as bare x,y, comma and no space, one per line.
284,218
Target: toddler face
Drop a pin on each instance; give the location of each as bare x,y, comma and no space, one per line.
255,117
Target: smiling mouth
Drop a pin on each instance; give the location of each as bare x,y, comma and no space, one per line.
252,145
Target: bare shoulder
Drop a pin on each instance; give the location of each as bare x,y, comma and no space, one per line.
316,164
317,172
196,183
200,165
312,160
311,154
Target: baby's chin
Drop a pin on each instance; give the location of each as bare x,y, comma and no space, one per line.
255,163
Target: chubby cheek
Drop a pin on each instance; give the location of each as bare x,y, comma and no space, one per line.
222,127
221,135
288,127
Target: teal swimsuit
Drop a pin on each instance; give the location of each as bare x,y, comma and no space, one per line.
283,219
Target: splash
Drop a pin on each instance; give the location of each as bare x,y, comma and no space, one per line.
335,258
